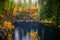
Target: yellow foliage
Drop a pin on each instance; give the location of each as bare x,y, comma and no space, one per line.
0,26
10,37
14,11
20,9
5,34
37,6
34,35
48,21
34,7
35,14
36,39
8,25
5,23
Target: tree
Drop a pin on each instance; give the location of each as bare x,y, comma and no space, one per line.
2,2
52,11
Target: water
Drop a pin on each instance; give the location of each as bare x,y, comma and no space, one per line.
26,37
22,30
16,35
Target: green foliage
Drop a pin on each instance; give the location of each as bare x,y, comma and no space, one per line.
1,7
52,10
2,2
0,10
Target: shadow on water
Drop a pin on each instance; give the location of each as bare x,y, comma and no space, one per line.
22,29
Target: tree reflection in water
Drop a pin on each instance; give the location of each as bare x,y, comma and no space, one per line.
16,35
26,37
25,28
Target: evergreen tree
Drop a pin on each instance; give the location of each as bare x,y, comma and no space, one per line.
51,11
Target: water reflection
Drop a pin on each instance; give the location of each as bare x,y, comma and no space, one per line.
19,34
26,37
16,35
26,29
